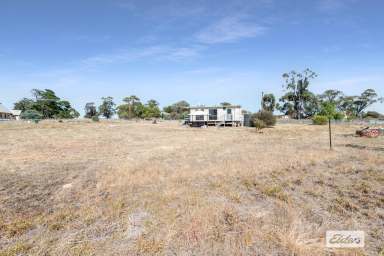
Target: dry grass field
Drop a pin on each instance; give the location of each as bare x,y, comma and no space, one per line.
127,188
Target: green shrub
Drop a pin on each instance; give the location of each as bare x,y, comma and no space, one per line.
339,116
95,119
266,116
320,120
259,124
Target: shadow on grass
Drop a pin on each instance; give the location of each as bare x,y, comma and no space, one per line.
364,147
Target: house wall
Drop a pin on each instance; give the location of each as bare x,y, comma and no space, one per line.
193,112
221,115
235,116
5,115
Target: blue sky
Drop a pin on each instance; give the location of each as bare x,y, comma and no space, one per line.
205,52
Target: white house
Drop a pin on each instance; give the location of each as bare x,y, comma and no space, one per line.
16,114
5,114
230,115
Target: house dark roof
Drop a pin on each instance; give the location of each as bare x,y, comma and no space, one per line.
4,109
219,106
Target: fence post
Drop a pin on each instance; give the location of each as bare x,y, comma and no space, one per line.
330,133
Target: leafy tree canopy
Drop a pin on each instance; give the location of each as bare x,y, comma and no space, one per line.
107,107
269,102
133,108
297,92
152,109
47,104
355,105
225,104
332,96
177,110
90,110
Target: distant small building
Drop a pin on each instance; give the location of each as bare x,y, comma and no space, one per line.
283,117
230,115
5,114
16,114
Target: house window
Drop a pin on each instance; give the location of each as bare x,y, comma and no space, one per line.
200,118
213,114
229,111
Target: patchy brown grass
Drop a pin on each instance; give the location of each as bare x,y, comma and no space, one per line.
135,188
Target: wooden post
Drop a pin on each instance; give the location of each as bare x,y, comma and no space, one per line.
330,133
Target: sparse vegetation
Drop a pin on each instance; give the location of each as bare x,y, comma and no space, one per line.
259,124
119,190
16,250
320,120
263,119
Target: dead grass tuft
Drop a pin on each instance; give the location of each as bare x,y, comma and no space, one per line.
276,191
17,227
18,249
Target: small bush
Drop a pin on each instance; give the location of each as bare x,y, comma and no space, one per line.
266,116
320,120
31,115
95,119
339,116
277,192
259,124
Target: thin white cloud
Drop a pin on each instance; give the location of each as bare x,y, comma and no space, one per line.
161,9
332,49
157,53
229,29
182,53
88,38
130,5
204,71
334,5
353,85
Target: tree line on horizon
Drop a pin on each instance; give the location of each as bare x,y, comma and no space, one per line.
45,104
131,108
298,102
